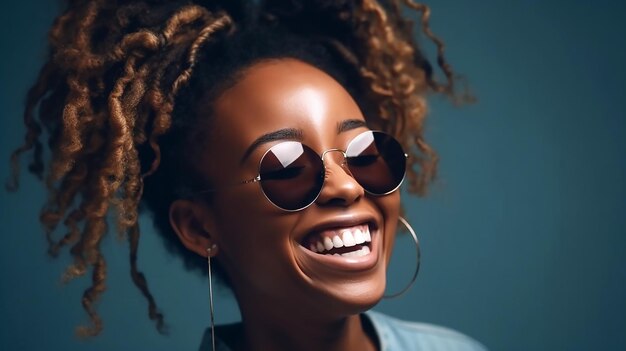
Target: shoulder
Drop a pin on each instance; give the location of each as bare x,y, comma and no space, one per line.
395,334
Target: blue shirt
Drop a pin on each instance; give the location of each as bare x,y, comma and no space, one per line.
396,335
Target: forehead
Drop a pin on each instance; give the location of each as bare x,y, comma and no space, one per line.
278,94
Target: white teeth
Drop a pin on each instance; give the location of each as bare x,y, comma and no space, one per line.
359,238
358,253
320,246
337,242
348,239
328,243
366,233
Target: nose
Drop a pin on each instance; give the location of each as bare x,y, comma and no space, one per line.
340,188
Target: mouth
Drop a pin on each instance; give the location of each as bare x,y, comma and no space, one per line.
349,242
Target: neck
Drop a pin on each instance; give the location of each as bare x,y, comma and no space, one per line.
272,333
304,324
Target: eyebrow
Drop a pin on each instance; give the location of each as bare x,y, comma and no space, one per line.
281,134
297,134
350,124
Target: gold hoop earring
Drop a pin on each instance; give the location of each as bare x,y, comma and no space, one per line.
417,266
208,256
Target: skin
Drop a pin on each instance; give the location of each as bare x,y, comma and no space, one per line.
289,298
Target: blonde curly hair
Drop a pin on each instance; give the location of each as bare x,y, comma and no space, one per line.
123,76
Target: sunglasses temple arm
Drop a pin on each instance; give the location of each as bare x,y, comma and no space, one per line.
253,180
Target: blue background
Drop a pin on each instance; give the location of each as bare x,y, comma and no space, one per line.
523,236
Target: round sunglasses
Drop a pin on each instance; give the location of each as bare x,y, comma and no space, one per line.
291,174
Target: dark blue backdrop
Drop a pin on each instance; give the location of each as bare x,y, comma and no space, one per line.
523,234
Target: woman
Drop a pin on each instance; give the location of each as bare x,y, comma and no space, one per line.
261,138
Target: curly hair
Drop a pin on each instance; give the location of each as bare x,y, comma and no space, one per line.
118,92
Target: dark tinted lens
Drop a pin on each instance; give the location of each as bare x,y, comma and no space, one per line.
291,175
377,161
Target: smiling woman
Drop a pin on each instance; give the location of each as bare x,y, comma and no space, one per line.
265,139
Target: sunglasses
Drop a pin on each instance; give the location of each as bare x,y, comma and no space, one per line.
291,174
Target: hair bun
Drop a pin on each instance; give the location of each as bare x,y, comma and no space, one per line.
321,18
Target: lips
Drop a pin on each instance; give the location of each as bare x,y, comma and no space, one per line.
355,241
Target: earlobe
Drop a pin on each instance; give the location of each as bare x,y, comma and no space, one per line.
191,223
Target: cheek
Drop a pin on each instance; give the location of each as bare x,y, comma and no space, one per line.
389,206
254,238
241,204
241,213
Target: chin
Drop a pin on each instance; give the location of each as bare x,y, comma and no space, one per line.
347,285
358,296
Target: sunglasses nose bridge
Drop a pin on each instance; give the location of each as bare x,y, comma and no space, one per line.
340,185
343,154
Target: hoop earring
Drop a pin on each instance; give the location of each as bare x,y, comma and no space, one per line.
208,256
417,266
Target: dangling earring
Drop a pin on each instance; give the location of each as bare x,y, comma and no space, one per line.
210,251
417,266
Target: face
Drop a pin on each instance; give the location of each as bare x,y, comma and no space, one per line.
268,253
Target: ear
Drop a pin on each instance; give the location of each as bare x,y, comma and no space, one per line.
192,223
